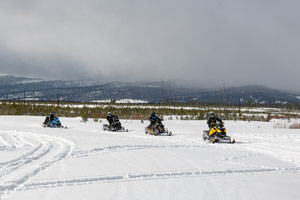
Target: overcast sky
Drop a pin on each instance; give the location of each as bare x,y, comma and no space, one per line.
238,42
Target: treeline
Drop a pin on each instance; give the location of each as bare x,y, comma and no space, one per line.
141,112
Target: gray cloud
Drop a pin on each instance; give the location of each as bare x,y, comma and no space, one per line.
237,41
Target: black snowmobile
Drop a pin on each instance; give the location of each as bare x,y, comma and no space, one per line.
55,123
218,134
115,126
157,129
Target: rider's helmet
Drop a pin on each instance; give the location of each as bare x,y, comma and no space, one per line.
52,115
211,114
153,114
109,113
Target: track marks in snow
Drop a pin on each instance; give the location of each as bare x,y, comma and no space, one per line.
9,166
239,160
6,144
154,176
257,149
42,152
12,142
281,147
118,148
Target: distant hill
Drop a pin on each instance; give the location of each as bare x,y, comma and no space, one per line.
16,88
12,80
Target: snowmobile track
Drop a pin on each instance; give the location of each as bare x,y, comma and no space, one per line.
274,147
42,152
154,176
118,148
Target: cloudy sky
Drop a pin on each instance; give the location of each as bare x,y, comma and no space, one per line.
236,42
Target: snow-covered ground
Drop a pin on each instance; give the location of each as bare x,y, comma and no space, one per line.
83,162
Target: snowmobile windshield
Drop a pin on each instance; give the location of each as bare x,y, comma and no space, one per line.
219,124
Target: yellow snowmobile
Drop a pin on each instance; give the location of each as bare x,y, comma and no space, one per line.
217,134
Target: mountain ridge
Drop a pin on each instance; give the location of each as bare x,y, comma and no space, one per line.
18,88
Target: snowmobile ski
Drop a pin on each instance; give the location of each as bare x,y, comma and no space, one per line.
106,127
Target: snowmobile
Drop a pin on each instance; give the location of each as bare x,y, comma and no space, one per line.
115,126
157,129
218,134
55,123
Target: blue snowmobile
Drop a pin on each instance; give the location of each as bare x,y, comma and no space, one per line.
54,123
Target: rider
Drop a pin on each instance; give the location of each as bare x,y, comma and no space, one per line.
212,120
111,118
52,116
154,119
53,120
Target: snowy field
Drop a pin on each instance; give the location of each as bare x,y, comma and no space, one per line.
83,162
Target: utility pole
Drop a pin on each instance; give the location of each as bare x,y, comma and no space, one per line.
239,107
231,98
224,93
220,94
162,89
57,97
169,93
33,92
6,92
24,97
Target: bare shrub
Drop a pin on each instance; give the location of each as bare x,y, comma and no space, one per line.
138,116
96,119
295,126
